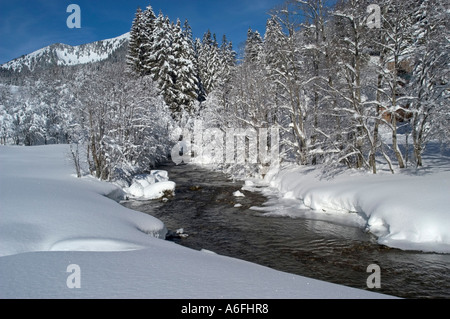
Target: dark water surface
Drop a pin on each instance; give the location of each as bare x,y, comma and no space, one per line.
203,207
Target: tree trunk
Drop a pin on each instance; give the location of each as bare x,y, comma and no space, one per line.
398,153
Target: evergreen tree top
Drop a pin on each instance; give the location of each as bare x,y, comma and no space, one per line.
150,13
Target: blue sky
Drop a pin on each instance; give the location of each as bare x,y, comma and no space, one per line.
28,25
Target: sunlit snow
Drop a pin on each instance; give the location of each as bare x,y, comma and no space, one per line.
52,222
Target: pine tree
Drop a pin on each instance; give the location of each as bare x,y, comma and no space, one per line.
185,86
227,60
135,46
148,35
253,46
209,62
274,61
141,41
187,33
164,67
199,65
273,46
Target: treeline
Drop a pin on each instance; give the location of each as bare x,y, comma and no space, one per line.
117,124
186,70
341,90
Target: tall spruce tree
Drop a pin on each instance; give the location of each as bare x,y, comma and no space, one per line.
185,84
253,46
148,33
209,62
135,47
162,62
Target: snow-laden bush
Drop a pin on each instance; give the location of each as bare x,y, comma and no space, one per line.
123,121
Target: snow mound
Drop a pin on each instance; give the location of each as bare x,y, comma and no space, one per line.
151,186
44,208
94,244
238,194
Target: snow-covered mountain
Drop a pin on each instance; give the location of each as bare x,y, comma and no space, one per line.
65,55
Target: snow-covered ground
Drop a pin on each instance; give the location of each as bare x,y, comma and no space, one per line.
63,237
409,210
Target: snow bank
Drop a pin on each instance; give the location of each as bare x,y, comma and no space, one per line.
410,211
51,222
44,208
151,186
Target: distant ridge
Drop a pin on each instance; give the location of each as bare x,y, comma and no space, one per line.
66,55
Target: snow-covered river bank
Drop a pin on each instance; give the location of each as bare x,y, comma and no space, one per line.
409,210
62,237
214,213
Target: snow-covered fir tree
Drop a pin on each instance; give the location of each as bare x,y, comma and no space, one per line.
135,46
208,62
253,46
185,86
168,55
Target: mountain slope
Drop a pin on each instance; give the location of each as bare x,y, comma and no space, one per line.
65,55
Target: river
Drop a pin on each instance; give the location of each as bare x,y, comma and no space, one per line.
204,213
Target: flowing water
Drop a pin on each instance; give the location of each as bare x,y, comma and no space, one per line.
204,208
